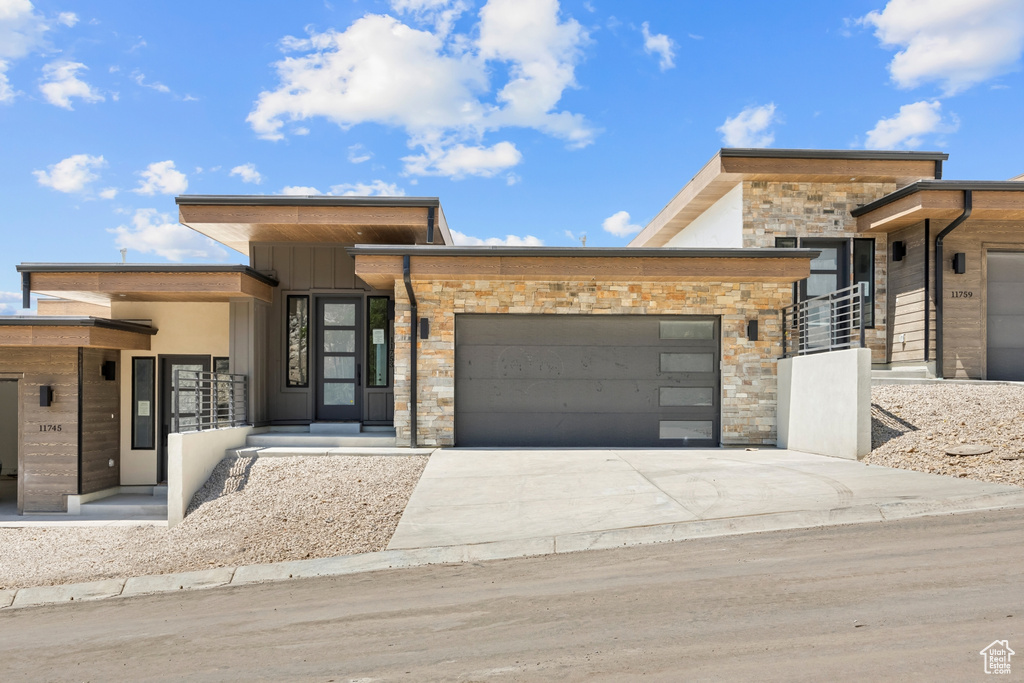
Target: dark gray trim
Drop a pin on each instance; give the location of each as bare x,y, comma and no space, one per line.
927,313
301,200
580,252
26,290
81,390
830,154
75,321
430,225
925,185
938,169
968,205
413,313
143,268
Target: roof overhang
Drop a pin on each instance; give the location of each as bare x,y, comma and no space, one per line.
732,166
942,200
382,266
241,220
101,284
74,331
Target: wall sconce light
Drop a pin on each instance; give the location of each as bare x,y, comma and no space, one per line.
899,250
45,396
752,329
960,263
424,328
109,370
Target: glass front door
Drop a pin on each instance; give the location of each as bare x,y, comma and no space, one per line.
339,387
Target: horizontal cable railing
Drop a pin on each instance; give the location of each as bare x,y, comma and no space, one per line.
208,400
825,323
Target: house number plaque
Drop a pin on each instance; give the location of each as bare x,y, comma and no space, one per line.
50,428
962,294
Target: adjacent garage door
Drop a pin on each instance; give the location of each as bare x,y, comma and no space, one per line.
587,380
1005,304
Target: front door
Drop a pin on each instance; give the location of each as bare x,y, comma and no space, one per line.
339,386
188,407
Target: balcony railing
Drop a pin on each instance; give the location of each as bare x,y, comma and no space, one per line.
208,400
825,323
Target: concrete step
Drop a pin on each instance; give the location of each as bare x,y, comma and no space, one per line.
292,451
335,428
903,372
126,506
300,440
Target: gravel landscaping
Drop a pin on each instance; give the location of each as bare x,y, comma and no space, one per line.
912,427
251,511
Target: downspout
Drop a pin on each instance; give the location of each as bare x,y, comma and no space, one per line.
938,278
927,238
413,315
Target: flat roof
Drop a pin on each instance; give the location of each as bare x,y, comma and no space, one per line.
75,321
769,153
955,185
145,268
301,200
581,252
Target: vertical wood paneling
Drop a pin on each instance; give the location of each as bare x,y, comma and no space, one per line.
906,301
344,270
101,410
302,266
323,267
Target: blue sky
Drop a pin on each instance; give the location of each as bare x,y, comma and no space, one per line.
534,121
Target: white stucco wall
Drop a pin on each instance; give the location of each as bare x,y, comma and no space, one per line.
191,458
824,404
720,226
182,328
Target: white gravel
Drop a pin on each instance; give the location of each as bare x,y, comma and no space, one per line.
912,426
251,511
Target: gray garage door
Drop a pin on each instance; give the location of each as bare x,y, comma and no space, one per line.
587,380
1005,315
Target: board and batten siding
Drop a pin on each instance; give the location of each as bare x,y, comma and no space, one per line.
309,269
964,296
47,459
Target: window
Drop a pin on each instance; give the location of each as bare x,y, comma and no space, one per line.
378,342
143,393
785,243
830,270
864,272
297,341
221,364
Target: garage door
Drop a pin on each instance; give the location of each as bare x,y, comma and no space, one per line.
587,380
1005,304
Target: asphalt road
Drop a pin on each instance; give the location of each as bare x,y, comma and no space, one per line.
909,600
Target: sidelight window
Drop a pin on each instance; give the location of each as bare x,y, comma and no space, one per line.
297,341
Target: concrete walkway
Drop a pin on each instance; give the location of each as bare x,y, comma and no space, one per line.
599,498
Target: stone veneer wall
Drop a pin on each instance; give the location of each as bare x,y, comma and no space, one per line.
784,209
748,368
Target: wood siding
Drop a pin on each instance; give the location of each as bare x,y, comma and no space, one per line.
964,317
907,296
101,423
48,460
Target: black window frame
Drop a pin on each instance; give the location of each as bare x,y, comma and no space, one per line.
287,342
867,246
387,342
152,403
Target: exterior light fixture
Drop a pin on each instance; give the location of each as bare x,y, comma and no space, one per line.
109,370
45,396
752,329
960,263
424,328
899,250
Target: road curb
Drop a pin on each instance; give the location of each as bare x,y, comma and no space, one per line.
496,550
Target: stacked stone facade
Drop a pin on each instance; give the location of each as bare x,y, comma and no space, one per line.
790,209
748,368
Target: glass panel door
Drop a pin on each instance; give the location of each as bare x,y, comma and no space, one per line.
339,372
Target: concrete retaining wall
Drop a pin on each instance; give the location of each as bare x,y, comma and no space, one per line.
825,403
190,460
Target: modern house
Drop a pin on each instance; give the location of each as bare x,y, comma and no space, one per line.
360,313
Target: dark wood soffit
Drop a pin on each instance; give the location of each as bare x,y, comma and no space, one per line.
383,271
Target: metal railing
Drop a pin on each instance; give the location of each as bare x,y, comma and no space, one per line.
208,400
825,323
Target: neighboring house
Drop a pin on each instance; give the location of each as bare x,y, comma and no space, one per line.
362,311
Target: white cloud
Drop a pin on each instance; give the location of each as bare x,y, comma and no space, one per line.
441,13
955,43
161,177
108,193
375,188
248,173
357,154
464,240
10,304
904,130
7,93
21,29
460,160
158,233
300,190
435,86
72,174
61,83
661,45
69,19
140,79
750,128
618,224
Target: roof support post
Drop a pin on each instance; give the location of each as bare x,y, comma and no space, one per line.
26,290
413,329
968,200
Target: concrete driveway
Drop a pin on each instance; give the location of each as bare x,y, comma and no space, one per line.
603,498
